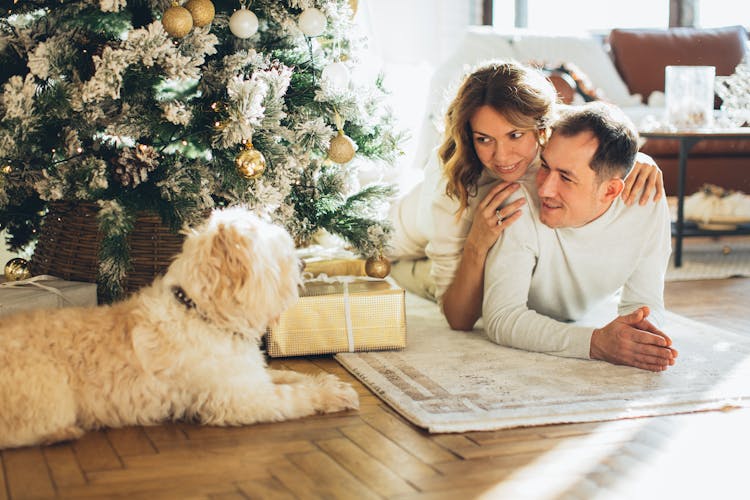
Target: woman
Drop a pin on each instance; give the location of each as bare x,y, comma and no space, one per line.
494,130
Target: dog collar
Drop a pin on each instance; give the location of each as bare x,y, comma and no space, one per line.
182,298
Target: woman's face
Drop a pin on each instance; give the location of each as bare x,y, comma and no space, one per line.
503,149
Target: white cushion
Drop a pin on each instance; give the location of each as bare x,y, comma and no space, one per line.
585,51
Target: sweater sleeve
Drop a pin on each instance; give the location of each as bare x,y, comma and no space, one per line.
645,286
448,232
508,276
446,246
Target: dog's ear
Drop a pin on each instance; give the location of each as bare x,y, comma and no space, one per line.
231,255
223,273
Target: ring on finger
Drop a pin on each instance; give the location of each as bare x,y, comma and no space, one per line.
499,216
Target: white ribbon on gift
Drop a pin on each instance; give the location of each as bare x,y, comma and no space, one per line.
344,280
34,281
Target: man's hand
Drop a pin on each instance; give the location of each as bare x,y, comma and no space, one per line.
634,341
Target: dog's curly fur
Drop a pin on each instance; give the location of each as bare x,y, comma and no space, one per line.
185,347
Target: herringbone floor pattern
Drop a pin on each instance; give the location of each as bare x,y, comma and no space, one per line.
373,453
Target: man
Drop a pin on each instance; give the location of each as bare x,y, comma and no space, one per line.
576,245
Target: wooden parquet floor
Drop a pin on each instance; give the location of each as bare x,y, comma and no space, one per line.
374,453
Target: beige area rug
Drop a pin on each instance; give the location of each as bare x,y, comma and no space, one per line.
711,260
447,381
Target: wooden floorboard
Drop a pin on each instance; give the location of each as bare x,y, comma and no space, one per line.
375,453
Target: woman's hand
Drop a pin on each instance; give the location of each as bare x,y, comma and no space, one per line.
492,218
645,173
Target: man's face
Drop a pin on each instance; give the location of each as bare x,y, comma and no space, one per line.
569,193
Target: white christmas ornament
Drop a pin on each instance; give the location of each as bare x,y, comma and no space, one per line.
312,22
243,23
337,75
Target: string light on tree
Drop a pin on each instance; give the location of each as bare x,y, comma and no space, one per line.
202,11
243,23
177,21
312,22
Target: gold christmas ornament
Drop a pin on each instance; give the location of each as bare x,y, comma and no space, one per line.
342,148
177,21
17,269
250,162
202,11
377,267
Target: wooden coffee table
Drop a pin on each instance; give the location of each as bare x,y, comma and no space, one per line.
687,139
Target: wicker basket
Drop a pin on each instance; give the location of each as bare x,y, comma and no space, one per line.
69,241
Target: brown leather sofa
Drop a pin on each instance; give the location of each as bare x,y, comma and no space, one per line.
640,56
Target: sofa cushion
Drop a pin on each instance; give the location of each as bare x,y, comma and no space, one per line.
585,51
641,55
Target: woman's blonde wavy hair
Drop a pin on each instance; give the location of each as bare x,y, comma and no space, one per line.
523,95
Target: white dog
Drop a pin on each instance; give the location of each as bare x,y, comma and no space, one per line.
185,347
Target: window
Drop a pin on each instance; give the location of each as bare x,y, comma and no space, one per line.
582,15
715,13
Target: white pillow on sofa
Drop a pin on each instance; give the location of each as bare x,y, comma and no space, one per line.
585,51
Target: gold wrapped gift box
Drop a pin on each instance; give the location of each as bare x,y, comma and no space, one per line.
371,317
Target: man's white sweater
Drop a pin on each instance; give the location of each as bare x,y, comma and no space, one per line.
538,279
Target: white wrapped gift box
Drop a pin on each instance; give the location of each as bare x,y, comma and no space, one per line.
44,292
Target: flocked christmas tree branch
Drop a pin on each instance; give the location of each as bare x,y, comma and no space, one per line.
177,108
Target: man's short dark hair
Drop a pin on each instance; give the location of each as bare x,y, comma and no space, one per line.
617,137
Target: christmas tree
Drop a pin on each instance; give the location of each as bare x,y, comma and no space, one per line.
179,107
